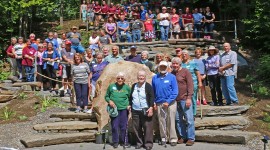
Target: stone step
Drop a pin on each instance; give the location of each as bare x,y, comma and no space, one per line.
54,139
209,111
221,123
66,126
226,137
73,116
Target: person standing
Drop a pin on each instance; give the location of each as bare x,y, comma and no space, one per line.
212,64
164,24
83,11
141,102
175,23
166,90
117,97
114,57
228,71
12,60
17,52
28,56
186,128
198,17
188,22
137,27
80,73
209,23
75,38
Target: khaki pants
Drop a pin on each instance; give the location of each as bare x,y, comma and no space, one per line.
167,115
13,66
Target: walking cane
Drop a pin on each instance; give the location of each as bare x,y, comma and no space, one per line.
199,92
106,134
165,126
125,142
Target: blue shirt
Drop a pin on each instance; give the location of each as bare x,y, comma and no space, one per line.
165,88
197,18
35,46
192,66
97,69
139,98
54,41
112,59
143,15
123,24
201,65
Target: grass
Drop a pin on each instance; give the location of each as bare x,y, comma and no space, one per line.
47,102
266,117
23,117
7,113
22,96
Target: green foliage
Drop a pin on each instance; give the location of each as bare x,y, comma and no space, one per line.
59,27
266,117
7,113
85,38
3,72
47,102
257,33
22,96
23,117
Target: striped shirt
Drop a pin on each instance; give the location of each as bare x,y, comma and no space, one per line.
80,73
18,49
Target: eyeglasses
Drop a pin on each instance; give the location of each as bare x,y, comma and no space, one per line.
114,49
120,78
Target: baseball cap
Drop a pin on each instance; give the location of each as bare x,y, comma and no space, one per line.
112,111
163,63
133,46
68,42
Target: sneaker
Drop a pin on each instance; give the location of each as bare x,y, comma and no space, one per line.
198,102
204,102
180,141
77,110
173,143
89,111
189,143
85,110
115,145
127,145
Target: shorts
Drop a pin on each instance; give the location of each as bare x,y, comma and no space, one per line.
176,28
66,72
188,27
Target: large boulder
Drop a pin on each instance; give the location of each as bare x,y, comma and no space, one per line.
107,77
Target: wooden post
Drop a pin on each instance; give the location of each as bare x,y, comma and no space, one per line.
235,29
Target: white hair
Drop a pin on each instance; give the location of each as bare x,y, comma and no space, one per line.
142,72
177,60
145,52
120,74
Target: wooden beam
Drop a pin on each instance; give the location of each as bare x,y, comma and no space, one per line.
18,84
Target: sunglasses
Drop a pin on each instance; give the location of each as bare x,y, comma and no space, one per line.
120,78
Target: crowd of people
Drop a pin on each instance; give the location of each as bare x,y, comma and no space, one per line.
173,91
132,20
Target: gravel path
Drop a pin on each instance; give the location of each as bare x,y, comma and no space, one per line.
12,133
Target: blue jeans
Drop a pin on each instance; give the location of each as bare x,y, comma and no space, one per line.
136,34
19,65
186,128
228,89
194,98
197,30
164,33
127,37
209,27
29,70
78,48
81,91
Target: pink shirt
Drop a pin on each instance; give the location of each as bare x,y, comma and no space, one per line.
148,25
174,18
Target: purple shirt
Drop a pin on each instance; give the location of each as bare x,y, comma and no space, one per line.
212,65
131,58
97,69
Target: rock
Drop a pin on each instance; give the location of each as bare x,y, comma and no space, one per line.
6,81
5,98
214,122
53,139
222,110
227,137
65,99
38,84
55,120
10,88
73,115
13,78
107,77
72,125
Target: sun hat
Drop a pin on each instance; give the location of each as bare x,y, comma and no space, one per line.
163,63
112,111
74,27
212,48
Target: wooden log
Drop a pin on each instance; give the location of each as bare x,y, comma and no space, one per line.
176,41
38,84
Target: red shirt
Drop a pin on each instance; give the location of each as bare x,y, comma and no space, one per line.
122,13
30,52
104,9
148,24
187,18
136,15
9,50
112,10
97,8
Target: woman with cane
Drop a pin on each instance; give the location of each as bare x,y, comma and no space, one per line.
142,102
117,96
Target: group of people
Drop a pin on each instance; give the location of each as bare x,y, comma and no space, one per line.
172,95
129,21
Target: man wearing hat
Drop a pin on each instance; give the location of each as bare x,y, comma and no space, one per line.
133,57
67,54
166,90
75,38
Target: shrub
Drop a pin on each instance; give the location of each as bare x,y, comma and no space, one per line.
7,113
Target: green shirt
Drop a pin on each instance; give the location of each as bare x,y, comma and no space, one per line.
119,95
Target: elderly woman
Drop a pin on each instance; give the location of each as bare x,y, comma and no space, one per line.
145,61
39,62
159,57
192,66
80,73
142,103
117,97
212,64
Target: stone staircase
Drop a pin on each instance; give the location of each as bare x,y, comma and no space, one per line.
218,125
